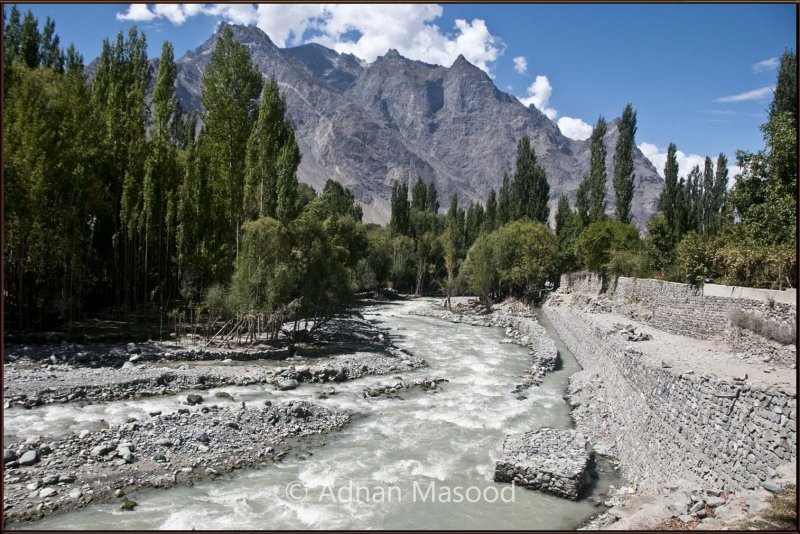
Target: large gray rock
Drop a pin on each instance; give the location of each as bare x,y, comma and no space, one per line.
29,458
287,384
449,124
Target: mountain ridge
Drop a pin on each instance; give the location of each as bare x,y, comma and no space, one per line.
368,124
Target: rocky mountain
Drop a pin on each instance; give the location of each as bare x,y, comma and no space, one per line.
368,124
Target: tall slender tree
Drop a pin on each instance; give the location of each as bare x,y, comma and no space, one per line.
504,203
530,190
231,85
668,198
596,191
400,222
271,132
785,98
419,195
29,40
490,219
708,196
623,165
432,200
720,190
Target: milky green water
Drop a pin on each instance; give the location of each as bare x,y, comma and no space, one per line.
400,466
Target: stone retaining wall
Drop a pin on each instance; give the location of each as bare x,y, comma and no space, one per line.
676,308
672,426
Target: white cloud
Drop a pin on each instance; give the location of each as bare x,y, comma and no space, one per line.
539,93
521,64
408,28
137,12
765,65
756,94
574,128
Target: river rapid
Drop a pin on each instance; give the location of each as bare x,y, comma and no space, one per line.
402,465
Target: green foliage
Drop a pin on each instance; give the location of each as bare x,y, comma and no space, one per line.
658,248
272,159
379,254
400,222
566,234
432,201
785,99
695,257
490,217
599,240
530,189
419,196
524,253
596,189
231,84
623,165
669,195
402,270
744,260
504,206
479,269
338,200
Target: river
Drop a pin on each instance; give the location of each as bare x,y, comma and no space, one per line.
400,466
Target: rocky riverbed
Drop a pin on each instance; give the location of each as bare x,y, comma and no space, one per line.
202,436
42,477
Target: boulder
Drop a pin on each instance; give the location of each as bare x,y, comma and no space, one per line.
193,399
28,458
287,384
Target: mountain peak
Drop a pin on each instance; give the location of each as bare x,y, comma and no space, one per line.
392,53
246,33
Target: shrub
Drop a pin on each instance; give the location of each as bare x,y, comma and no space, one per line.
598,240
784,333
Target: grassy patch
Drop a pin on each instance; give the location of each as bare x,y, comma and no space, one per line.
780,514
783,333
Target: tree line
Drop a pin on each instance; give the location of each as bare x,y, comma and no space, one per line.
119,201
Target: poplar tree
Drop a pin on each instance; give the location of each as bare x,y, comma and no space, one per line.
708,196
596,191
720,189
271,132
419,195
504,203
582,203
162,175
29,40
432,200
564,214
623,165
667,200
400,222
530,190
490,218
785,98
231,84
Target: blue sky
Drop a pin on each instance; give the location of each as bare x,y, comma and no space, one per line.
676,63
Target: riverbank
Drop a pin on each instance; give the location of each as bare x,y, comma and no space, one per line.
201,434
666,487
704,434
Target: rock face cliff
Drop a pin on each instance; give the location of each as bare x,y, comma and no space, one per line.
368,124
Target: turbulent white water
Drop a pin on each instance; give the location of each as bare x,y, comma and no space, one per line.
398,467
